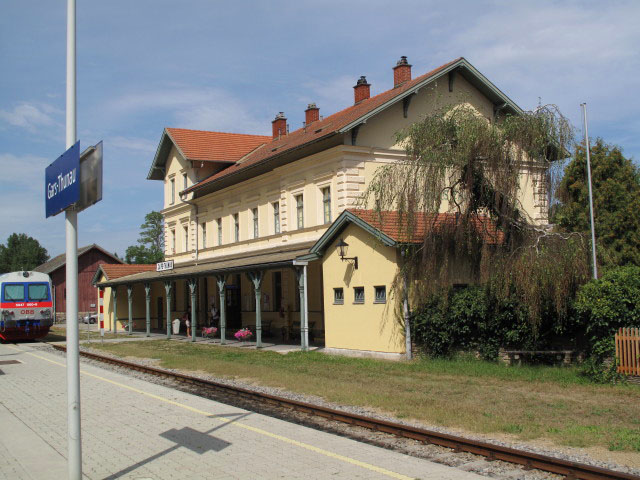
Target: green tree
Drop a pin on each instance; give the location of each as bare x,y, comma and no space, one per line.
457,161
150,248
616,203
21,253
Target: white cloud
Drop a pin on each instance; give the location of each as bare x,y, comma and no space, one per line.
30,116
24,171
132,143
331,95
203,109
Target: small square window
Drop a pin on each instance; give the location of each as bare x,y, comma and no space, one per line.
381,294
358,294
338,296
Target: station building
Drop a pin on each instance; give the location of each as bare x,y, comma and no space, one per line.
254,224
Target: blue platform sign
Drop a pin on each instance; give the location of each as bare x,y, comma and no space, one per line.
62,181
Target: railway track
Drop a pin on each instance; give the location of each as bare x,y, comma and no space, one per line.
570,470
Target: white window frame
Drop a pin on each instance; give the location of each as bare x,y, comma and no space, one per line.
276,217
173,191
185,227
255,213
336,300
375,294
204,235
355,299
186,180
325,201
219,222
299,210
236,226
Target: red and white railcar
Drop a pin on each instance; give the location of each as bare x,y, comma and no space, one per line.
26,308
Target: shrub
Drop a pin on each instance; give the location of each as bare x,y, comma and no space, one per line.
469,319
602,307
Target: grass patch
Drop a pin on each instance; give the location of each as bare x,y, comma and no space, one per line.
59,334
526,402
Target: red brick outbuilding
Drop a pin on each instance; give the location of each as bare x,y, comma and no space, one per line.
89,258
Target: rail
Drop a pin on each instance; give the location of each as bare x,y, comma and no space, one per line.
571,470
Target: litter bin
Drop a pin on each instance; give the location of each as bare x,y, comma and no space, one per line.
176,326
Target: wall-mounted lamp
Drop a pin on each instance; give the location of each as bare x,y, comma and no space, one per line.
343,248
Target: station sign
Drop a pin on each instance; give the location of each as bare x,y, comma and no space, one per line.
62,181
162,266
74,179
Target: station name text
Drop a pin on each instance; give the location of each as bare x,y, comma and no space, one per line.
62,182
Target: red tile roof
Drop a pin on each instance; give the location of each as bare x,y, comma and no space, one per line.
393,225
328,126
113,270
215,146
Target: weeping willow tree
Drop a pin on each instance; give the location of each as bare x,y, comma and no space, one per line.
461,193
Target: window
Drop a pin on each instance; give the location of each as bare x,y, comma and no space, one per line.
38,292
186,238
380,294
173,191
255,222
13,293
204,235
219,222
358,294
276,217
326,204
300,211
236,226
184,179
173,241
338,296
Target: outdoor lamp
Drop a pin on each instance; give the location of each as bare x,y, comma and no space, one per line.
343,247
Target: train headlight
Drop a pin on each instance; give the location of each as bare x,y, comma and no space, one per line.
45,313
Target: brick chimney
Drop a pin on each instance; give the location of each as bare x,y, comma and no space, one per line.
401,72
279,125
361,90
311,114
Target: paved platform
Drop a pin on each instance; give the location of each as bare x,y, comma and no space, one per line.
139,430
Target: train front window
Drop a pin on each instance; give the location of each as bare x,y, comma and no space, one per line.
13,293
38,292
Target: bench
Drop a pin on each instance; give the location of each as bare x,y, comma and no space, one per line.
556,357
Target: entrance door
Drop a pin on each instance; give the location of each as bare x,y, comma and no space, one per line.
160,304
233,294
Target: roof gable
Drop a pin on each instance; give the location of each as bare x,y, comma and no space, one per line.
112,271
349,118
203,146
390,227
61,260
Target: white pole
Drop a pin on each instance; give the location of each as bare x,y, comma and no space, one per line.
593,231
71,230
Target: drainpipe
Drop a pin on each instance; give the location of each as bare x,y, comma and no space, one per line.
195,205
405,309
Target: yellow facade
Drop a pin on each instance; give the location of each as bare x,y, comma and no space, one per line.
367,326
294,203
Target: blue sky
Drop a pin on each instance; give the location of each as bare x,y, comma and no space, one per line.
232,65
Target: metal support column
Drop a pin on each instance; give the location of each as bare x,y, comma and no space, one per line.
129,293
256,278
193,282
303,296
167,289
221,280
147,295
114,296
